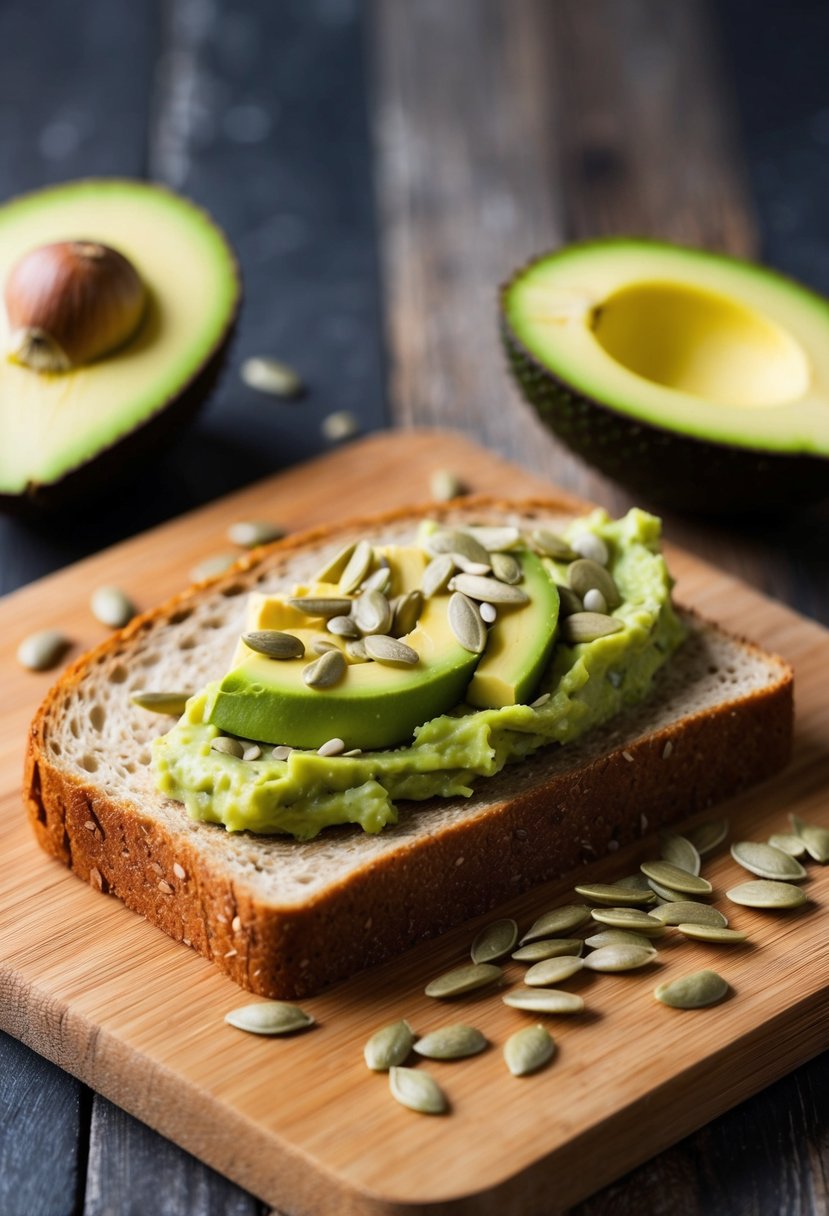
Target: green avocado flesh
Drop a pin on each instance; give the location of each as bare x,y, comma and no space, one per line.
587,682
54,423
648,359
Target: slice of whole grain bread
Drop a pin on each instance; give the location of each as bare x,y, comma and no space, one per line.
286,918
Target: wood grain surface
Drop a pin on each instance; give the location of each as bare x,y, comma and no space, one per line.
299,1122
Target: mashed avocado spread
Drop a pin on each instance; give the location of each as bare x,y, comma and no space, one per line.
587,683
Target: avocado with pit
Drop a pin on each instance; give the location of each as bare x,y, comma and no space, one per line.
699,380
120,300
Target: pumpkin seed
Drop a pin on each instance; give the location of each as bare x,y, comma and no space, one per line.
437,574
614,895
619,957
634,882
378,580
171,703
445,485
463,979
322,647
227,746
675,878
407,613
665,893
384,649
271,376
249,533
528,1050
252,752
568,602
815,838
451,1043
372,612
506,568
477,587
212,566
324,606
679,851
693,991
274,644
629,918
357,567
496,538
766,861
789,843
39,652
594,601
708,836
331,571
588,545
469,567
111,606
687,911
466,623
539,701
451,540
357,652
558,920
417,1090
340,425
269,1017
326,671
553,971
494,941
544,1000
588,627
343,627
712,933
583,575
766,893
281,752
615,937
489,613
389,1046
553,947
331,747
551,545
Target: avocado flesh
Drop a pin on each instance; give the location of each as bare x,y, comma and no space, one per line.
56,424
519,644
696,379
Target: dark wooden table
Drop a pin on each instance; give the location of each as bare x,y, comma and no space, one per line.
380,168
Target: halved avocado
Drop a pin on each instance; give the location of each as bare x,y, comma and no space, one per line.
65,432
698,380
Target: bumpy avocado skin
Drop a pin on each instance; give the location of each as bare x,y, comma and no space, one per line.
662,466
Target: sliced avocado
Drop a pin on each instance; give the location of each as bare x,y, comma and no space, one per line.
375,705
520,643
697,379
65,432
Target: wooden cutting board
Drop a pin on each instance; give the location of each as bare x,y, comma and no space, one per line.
302,1122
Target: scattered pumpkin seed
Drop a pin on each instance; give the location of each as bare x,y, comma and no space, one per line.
340,425
415,1089
766,861
619,957
321,646
478,587
688,911
489,613
343,627
591,546
675,878
506,568
444,485
629,918
494,941
542,700
544,1000
551,545
614,895
43,650
212,566
356,651
227,746
470,567
708,836
679,851
274,644
111,606
815,838
568,602
372,612
553,971
357,567
789,843
453,540
557,921
407,613
712,933
463,979
588,627
495,538
528,1050
331,571
389,1046
271,376
583,575
766,893
324,606
331,747
616,937
281,751
252,752
171,703
378,580
437,574
269,1017
249,533
326,671
594,601
384,649
451,1043
665,893
636,882
693,991
554,947
466,623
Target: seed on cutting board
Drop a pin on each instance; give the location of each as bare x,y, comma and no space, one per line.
506,568
708,836
675,878
389,1046
544,1000
679,851
665,893
445,485
587,544
437,574
463,979
112,606
550,544
271,376
528,1050
326,671
636,882
494,941
269,1017
372,612
331,571
451,1043
324,606
407,613
274,643
815,838
553,947
227,746
616,937
766,861
557,921
466,623
171,703
619,957
712,933
689,911
614,895
594,601
340,425
452,540
629,918
383,649
693,991
331,747
789,843
584,575
418,1091
495,538
356,569
248,533
40,651
479,587
553,971
217,563
766,893
588,627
